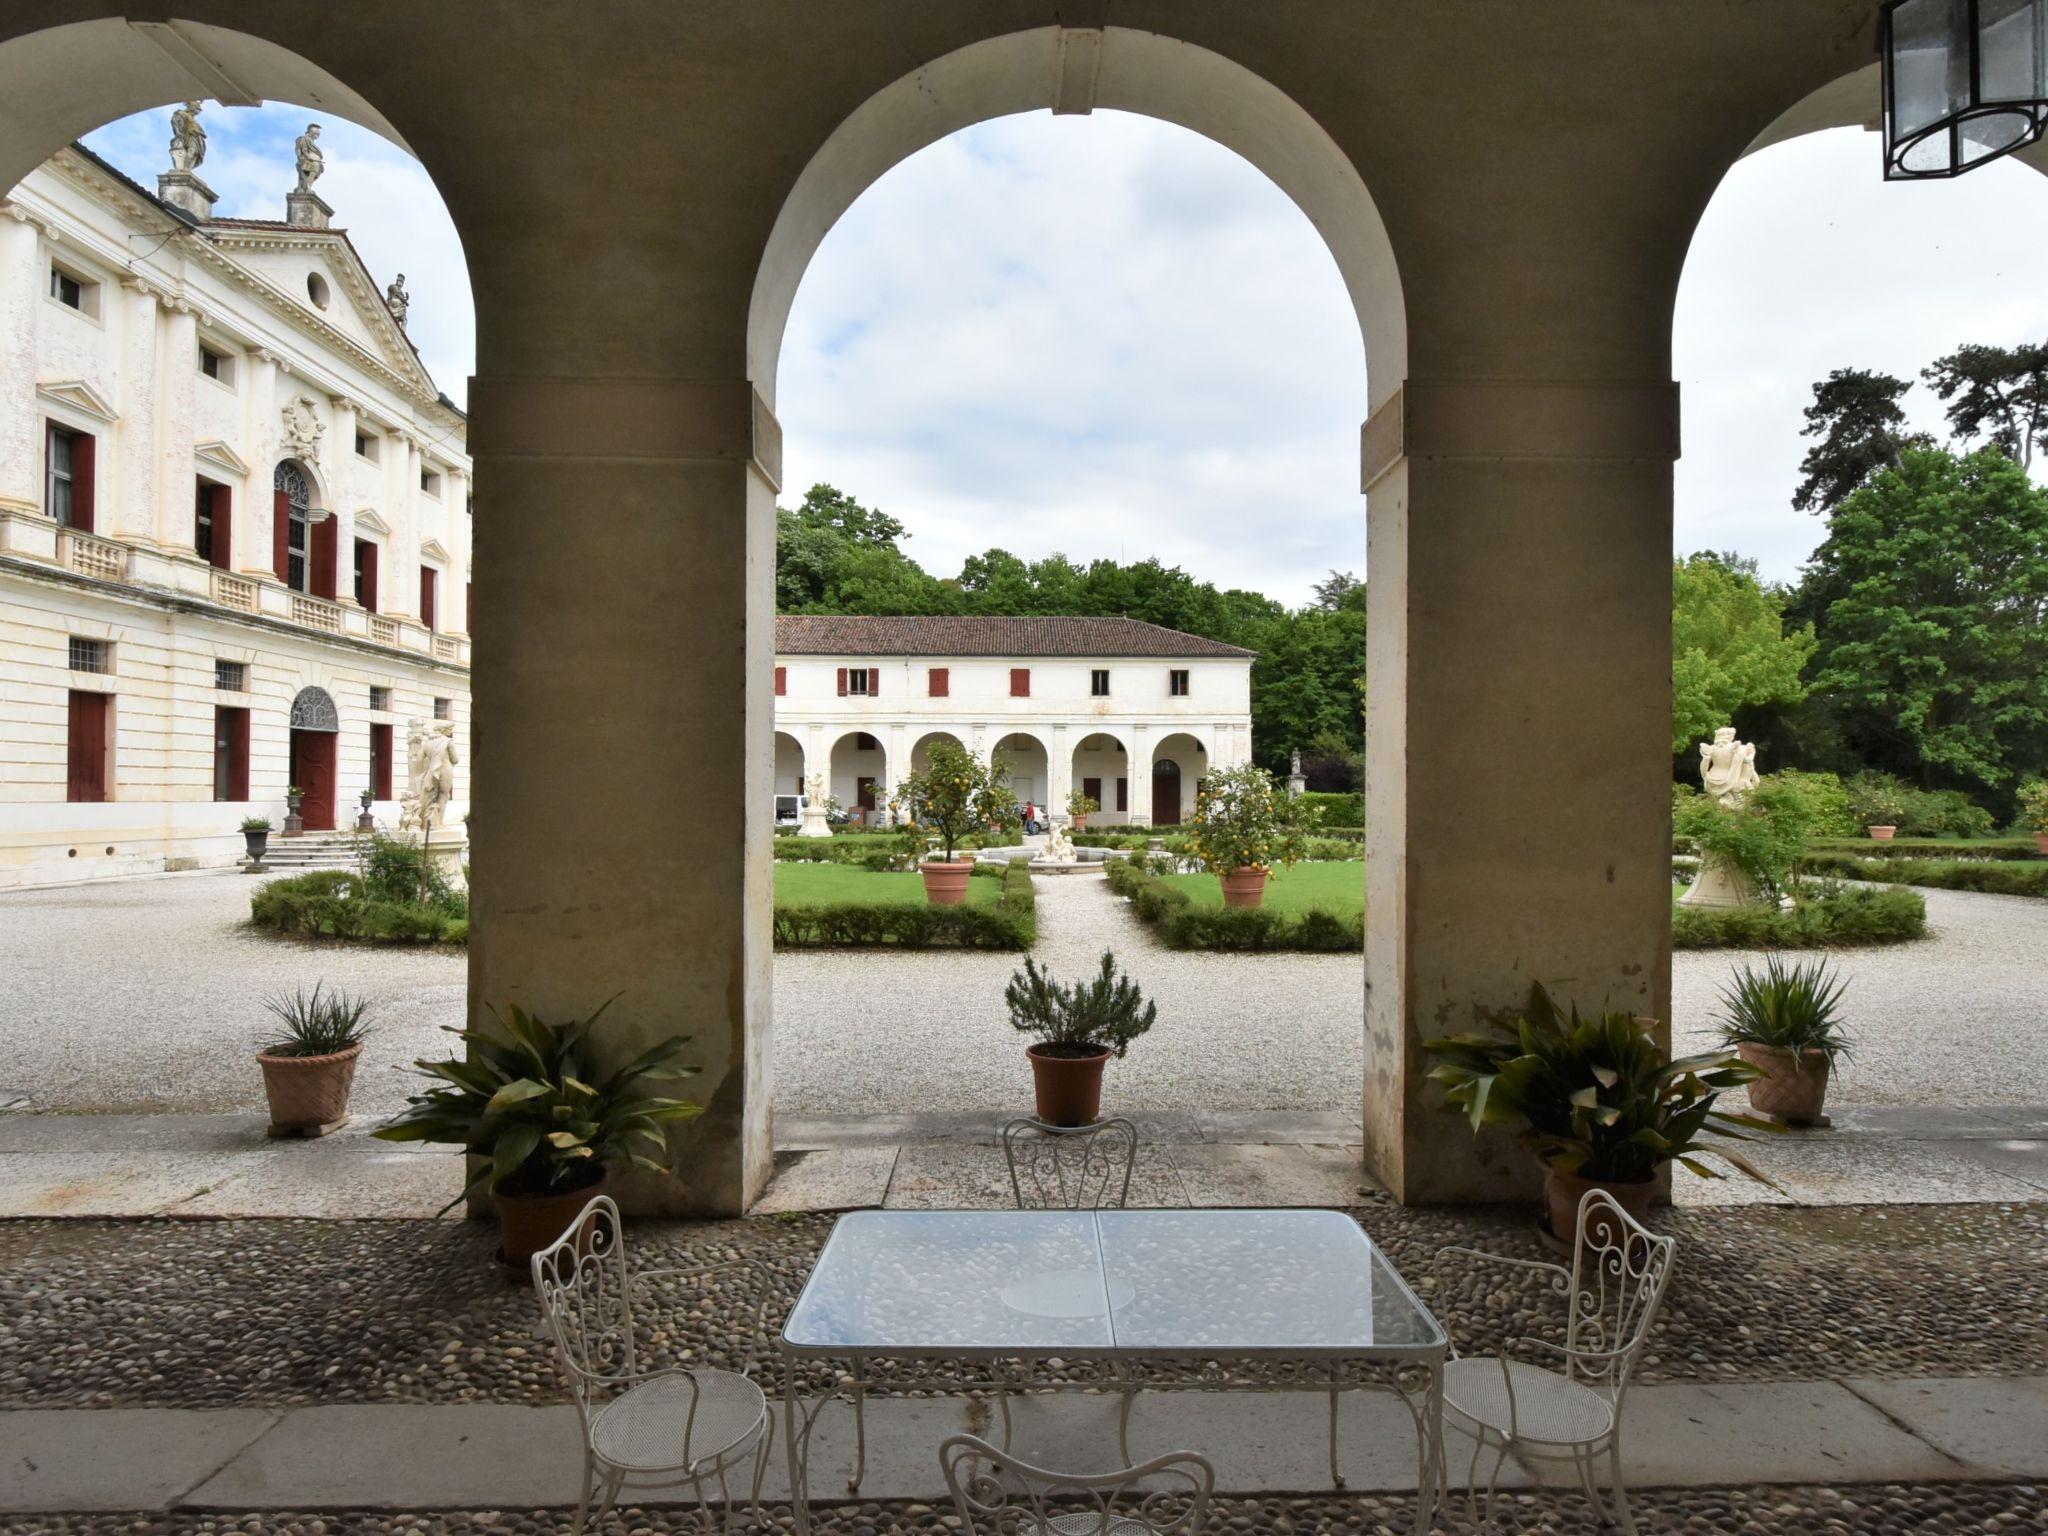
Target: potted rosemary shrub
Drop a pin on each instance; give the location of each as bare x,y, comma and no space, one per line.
1079,1027
955,794
1600,1104
543,1119
1244,824
1786,1022
256,837
2034,810
310,1065
1080,807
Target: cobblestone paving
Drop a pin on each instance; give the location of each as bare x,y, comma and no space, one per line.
209,1314
1947,1509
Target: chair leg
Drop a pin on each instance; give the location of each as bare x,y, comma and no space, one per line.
860,1430
1625,1516
762,1456
583,1501
1003,1407
1123,1422
612,1485
1336,1475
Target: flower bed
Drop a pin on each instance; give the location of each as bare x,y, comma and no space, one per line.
1185,923
2001,877
1007,920
1822,916
334,904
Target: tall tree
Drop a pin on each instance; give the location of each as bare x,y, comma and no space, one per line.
1340,585
1996,392
1856,416
1935,640
1729,648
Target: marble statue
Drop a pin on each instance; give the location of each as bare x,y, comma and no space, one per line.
430,761
306,147
188,138
1294,764
815,823
1058,848
1728,767
398,300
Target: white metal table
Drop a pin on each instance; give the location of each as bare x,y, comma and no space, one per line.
1210,1299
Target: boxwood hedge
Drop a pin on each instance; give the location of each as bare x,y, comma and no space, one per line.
1185,925
1010,922
1823,915
333,904
2002,877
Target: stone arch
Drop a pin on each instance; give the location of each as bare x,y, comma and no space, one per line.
1030,771
313,709
857,774
1106,760
915,760
790,767
1174,789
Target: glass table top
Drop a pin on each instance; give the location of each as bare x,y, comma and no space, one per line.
1168,1281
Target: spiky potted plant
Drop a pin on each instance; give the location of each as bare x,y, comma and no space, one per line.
1598,1101
955,793
309,1064
1786,1022
542,1119
1078,1028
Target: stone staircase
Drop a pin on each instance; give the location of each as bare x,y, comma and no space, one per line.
309,850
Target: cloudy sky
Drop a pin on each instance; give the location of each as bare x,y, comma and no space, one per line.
1109,336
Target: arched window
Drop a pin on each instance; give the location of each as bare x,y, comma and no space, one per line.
294,501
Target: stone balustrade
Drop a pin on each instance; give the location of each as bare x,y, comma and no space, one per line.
90,555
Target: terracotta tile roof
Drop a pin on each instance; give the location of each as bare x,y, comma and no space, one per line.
806,634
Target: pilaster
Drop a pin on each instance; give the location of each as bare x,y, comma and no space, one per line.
131,512
178,390
21,487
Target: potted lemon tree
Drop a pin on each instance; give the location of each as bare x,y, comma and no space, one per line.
1244,824
1078,1028
1080,806
956,793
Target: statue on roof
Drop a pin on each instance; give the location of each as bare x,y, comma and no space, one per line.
397,300
311,160
188,138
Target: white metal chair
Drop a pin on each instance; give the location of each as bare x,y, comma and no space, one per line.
654,1428
1167,1496
1570,1408
1070,1167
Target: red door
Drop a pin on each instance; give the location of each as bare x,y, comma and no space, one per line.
864,798
86,746
1165,793
312,769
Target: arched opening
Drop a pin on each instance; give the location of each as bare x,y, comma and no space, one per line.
1180,763
1028,765
859,778
789,779
1101,770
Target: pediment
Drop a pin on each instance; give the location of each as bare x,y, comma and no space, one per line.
220,456
366,517
433,550
77,395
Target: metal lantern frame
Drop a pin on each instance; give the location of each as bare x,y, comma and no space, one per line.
1963,47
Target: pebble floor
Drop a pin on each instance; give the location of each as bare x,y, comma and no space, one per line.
1940,1509
133,995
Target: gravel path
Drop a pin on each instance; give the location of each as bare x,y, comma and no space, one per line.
146,994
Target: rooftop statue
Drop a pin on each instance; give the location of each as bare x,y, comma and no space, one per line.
398,300
188,138
311,161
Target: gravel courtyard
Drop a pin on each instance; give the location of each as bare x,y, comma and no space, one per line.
145,995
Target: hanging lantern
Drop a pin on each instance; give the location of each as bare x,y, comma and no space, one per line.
1965,81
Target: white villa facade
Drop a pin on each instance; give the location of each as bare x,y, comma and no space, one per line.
234,527
1133,714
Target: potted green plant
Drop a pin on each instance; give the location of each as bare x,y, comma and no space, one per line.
310,1064
956,793
543,1119
294,823
256,837
2034,810
1244,824
1078,1028
1786,1022
1597,1100
1877,805
1081,806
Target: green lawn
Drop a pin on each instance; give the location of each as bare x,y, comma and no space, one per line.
818,884
1335,887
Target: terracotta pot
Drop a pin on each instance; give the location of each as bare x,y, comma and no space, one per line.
306,1092
1793,1087
1243,887
945,885
529,1223
1562,1193
1080,823
2041,841
1883,834
1068,1089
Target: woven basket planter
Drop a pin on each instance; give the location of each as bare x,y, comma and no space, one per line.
307,1092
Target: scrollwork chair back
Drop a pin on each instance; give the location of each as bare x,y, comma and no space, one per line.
995,1493
1618,1278
1070,1168
585,1291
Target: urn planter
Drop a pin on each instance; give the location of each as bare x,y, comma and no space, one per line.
1563,1191
294,823
1081,822
1883,834
529,1223
945,885
1067,1089
1243,887
257,844
1794,1085
308,1094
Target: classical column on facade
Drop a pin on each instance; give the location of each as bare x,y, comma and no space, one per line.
1139,772
403,584
132,509
461,555
178,394
253,533
627,675
1059,770
338,463
21,289
1519,652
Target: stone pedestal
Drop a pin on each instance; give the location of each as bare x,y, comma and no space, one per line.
1721,884
446,850
815,823
186,192
307,210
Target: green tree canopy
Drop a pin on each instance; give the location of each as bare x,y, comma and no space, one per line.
1861,427
2000,393
1729,647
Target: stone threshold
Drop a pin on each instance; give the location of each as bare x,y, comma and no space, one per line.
469,1456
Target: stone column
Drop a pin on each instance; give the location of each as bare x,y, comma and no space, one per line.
1139,771
178,392
253,507
338,463
624,684
1519,652
405,534
455,603
1059,773
130,512
21,488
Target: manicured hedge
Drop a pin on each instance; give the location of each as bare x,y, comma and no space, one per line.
1927,848
2002,877
1117,839
1335,809
1822,917
330,904
1185,925
853,848
1011,922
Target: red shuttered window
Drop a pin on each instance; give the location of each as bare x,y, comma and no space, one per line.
430,597
1020,682
941,682
781,681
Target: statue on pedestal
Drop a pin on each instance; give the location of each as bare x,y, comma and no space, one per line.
188,138
311,159
1728,772
815,823
430,760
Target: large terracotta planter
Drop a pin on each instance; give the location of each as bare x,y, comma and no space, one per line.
529,1223
1243,887
1562,1193
945,885
1883,834
308,1092
2041,841
1794,1086
1068,1089
1081,823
